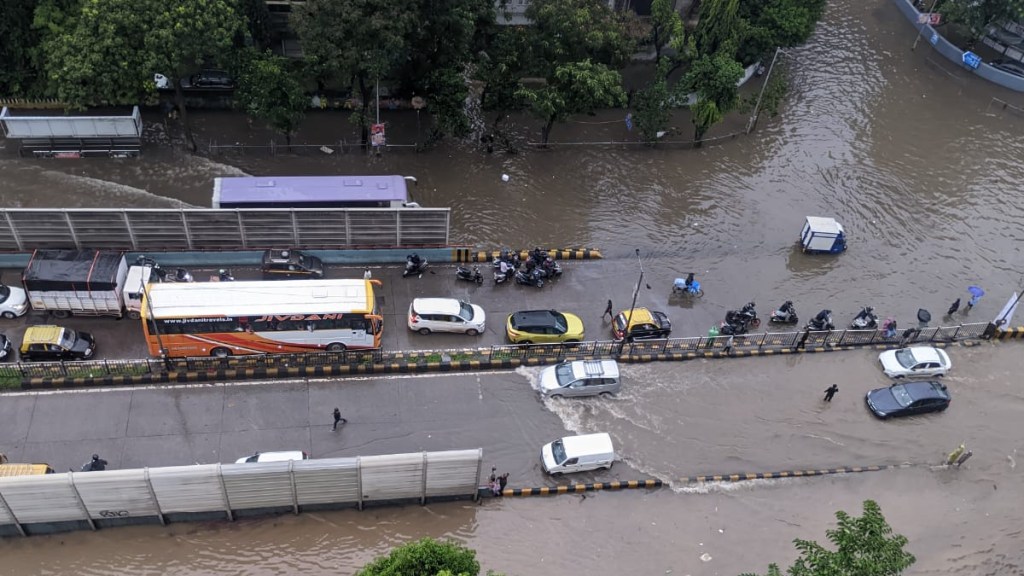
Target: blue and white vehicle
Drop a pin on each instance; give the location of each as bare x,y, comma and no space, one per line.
822,236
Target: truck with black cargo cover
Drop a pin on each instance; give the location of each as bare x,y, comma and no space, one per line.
81,282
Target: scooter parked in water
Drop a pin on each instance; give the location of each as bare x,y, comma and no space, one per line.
865,320
474,275
529,278
786,314
822,322
414,265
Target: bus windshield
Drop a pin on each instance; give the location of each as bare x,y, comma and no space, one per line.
264,317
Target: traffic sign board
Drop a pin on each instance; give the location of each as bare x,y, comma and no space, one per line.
972,60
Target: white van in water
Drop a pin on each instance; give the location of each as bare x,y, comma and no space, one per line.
578,454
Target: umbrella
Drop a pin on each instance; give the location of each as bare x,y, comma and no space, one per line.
976,291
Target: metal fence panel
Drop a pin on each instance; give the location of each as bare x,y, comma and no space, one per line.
49,498
452,473
116,494
97,229
394,476
188,488
258,484
327,481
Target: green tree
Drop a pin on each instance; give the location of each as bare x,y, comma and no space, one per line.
652,111
577,87
447,103
774,24
713,79
666,25
268,90
109,51
718,25
426,557
257,17
575,30
447,34
501,64
364,40
17,42
975,17
864,546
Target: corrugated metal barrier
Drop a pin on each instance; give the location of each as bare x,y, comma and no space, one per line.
79,500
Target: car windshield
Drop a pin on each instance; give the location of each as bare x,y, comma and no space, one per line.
466,311
561,326
68,337
563,373
558,451
899,392
5,293
906,358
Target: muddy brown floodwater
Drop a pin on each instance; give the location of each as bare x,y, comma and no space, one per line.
921,170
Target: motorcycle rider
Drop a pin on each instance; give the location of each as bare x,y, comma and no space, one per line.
689,282
97,464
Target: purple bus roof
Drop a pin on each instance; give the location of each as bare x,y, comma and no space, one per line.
312,189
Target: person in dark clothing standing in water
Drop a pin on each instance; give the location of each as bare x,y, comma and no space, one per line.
830,392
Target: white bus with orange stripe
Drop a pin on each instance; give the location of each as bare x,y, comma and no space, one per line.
267,317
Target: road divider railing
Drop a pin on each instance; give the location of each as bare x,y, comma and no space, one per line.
357,362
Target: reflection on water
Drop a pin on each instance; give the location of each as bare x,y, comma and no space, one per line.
927,186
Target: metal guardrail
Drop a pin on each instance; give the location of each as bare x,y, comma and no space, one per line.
23,229
522,352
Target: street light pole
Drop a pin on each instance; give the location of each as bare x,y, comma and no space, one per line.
632,306
918,38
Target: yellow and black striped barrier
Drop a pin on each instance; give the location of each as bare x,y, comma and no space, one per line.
1010,333
789,474
462,255
578,488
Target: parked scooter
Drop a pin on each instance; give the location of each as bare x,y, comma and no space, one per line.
224,275
865,320
786,314
821,322
414,265
474,275
529,278
503,271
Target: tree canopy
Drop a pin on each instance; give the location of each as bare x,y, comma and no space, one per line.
426,557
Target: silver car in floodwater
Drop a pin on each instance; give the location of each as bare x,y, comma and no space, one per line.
581,378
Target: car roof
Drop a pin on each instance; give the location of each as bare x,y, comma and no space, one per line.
594,368
926,389
926,354
436,306
287,255
44,334
281,456
640,316
589,443
534,317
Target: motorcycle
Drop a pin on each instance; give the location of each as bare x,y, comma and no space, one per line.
225,275
474,275
746,316
865,319
549,268
504,271
688,287
529,278
507,256
786,314
821,322
414,265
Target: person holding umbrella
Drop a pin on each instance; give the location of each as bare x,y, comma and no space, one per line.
976,294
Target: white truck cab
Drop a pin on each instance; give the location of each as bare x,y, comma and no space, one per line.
135,288
578,454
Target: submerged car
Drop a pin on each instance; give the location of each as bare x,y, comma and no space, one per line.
915,361
543,327
641,324
580,378
908,398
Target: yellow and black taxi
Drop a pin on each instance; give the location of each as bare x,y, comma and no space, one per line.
641,324
291,264
543,327
49,342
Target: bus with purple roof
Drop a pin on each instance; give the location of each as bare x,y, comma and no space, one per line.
312,192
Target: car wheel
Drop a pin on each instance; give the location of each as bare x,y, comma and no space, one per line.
525,342
424,331
898,377
939,375
335,347
604,467
472,332
134,315
606,395
8,314
556,474
220,352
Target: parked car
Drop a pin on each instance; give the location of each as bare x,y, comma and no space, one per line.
580,378
274,456
428,315
578,454
13,301
543,327
48,342
908,398
291,264
1009,66
916,361
210,80
643,324
5,348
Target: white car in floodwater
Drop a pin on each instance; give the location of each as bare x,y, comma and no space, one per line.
916,361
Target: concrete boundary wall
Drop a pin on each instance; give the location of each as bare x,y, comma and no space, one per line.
79,500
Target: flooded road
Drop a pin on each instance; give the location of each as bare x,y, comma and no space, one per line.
925,178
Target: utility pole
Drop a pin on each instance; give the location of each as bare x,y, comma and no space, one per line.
632,306
918,38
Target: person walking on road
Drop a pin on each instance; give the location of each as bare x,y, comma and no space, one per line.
830,392
338,420
608,312
953,307
803,340
728,345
